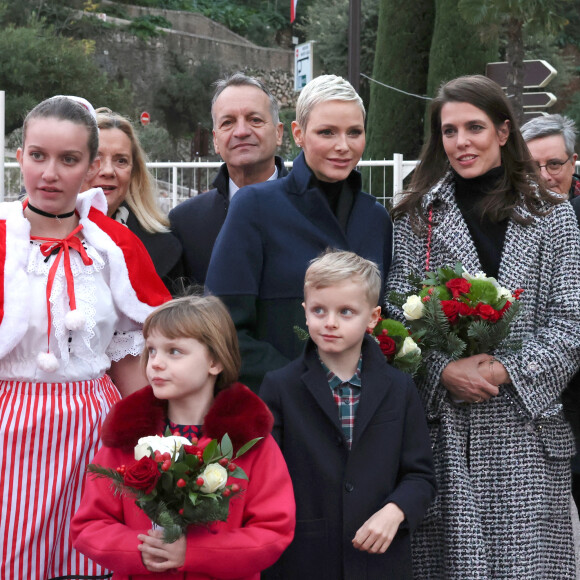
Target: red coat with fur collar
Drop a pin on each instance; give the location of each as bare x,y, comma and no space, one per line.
261,521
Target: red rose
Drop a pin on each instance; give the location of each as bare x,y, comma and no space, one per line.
450,309
142,475
458,286
487,312
387,344
464,309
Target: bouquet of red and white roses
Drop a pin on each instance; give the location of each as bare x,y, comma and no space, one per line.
459,314
398,345
176,483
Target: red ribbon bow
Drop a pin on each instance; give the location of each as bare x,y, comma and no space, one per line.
63,245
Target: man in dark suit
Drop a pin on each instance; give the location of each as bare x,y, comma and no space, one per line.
246,133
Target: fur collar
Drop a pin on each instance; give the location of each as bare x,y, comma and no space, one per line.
236,411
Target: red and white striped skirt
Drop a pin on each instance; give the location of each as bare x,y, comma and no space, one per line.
49,432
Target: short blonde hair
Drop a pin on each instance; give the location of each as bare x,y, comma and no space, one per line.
325,88
334,266
141,193
206,319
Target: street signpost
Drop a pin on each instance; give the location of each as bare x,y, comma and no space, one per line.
529,115
538,100
145,118
537,73
303,65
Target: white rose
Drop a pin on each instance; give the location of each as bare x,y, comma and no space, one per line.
214,477
409,345
413,308
161,444
504,293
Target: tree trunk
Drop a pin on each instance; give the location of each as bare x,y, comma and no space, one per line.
515,58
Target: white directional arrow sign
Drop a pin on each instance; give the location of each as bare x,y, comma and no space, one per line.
538,100
537,73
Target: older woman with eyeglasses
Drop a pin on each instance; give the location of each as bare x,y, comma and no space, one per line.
551,140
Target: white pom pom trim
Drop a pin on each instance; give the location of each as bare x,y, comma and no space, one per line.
75,320
47,362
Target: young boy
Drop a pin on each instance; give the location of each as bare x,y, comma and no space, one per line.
353,433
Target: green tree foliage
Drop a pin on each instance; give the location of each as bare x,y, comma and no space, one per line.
156,142
184,96
457,48
148,26
258,20
37,64
331,48
395,122
514,19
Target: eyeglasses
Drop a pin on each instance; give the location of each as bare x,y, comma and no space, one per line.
554,167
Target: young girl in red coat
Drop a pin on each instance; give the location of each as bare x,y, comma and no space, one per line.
192,361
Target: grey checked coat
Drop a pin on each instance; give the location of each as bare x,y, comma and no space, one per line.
503,509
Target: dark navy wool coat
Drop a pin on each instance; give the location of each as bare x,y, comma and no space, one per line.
257,267
196,222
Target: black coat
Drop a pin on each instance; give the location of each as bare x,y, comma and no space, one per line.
197,222
165,251
337,490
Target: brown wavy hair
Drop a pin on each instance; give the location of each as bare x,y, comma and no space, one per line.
206,319
520,176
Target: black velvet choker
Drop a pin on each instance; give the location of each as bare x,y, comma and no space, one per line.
50,215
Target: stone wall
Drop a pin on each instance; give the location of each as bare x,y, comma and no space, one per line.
194,38
190,22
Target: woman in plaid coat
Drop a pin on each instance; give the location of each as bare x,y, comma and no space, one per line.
501,444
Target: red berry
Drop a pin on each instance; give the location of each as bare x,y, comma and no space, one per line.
166,456
177,434
166,465
121,469
181,482
223,461
194,440
232,466
235,487
226,492
180,512
200,481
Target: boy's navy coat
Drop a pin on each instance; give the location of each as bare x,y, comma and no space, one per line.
337,490
272,231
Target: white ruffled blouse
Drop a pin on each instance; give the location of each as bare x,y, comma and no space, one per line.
108,334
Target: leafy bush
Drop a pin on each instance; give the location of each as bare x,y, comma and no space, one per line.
115,11
37,64
148,26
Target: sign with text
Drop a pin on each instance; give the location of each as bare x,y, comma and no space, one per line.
303,65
